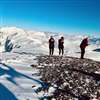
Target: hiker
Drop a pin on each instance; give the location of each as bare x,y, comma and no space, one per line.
83,45
61,45
51,45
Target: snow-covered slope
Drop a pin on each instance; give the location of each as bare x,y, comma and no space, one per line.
33,42
24,41
16,78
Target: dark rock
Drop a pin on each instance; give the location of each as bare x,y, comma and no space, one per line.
74,77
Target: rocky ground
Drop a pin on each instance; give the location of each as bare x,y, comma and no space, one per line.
70,78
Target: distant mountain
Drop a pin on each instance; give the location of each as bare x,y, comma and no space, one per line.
95,40
33,42
97,50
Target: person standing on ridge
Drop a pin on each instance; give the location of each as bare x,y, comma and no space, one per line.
61,45
83,45
51,45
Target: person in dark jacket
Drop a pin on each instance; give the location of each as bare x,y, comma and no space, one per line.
83,45
61,45
51,45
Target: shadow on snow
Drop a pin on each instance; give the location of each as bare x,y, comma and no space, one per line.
5,94
12,73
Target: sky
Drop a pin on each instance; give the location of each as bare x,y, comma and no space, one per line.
67,16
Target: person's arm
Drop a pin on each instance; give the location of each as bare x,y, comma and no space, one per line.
87,43
62,41
49,41
54,40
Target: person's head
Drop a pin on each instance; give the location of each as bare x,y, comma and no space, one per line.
62,37
86,37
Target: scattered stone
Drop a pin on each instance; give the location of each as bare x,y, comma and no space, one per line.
75,79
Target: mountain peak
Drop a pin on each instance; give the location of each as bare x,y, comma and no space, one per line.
11,30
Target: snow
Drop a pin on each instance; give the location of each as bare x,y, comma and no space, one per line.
51,90
17,75
33,42
16,78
